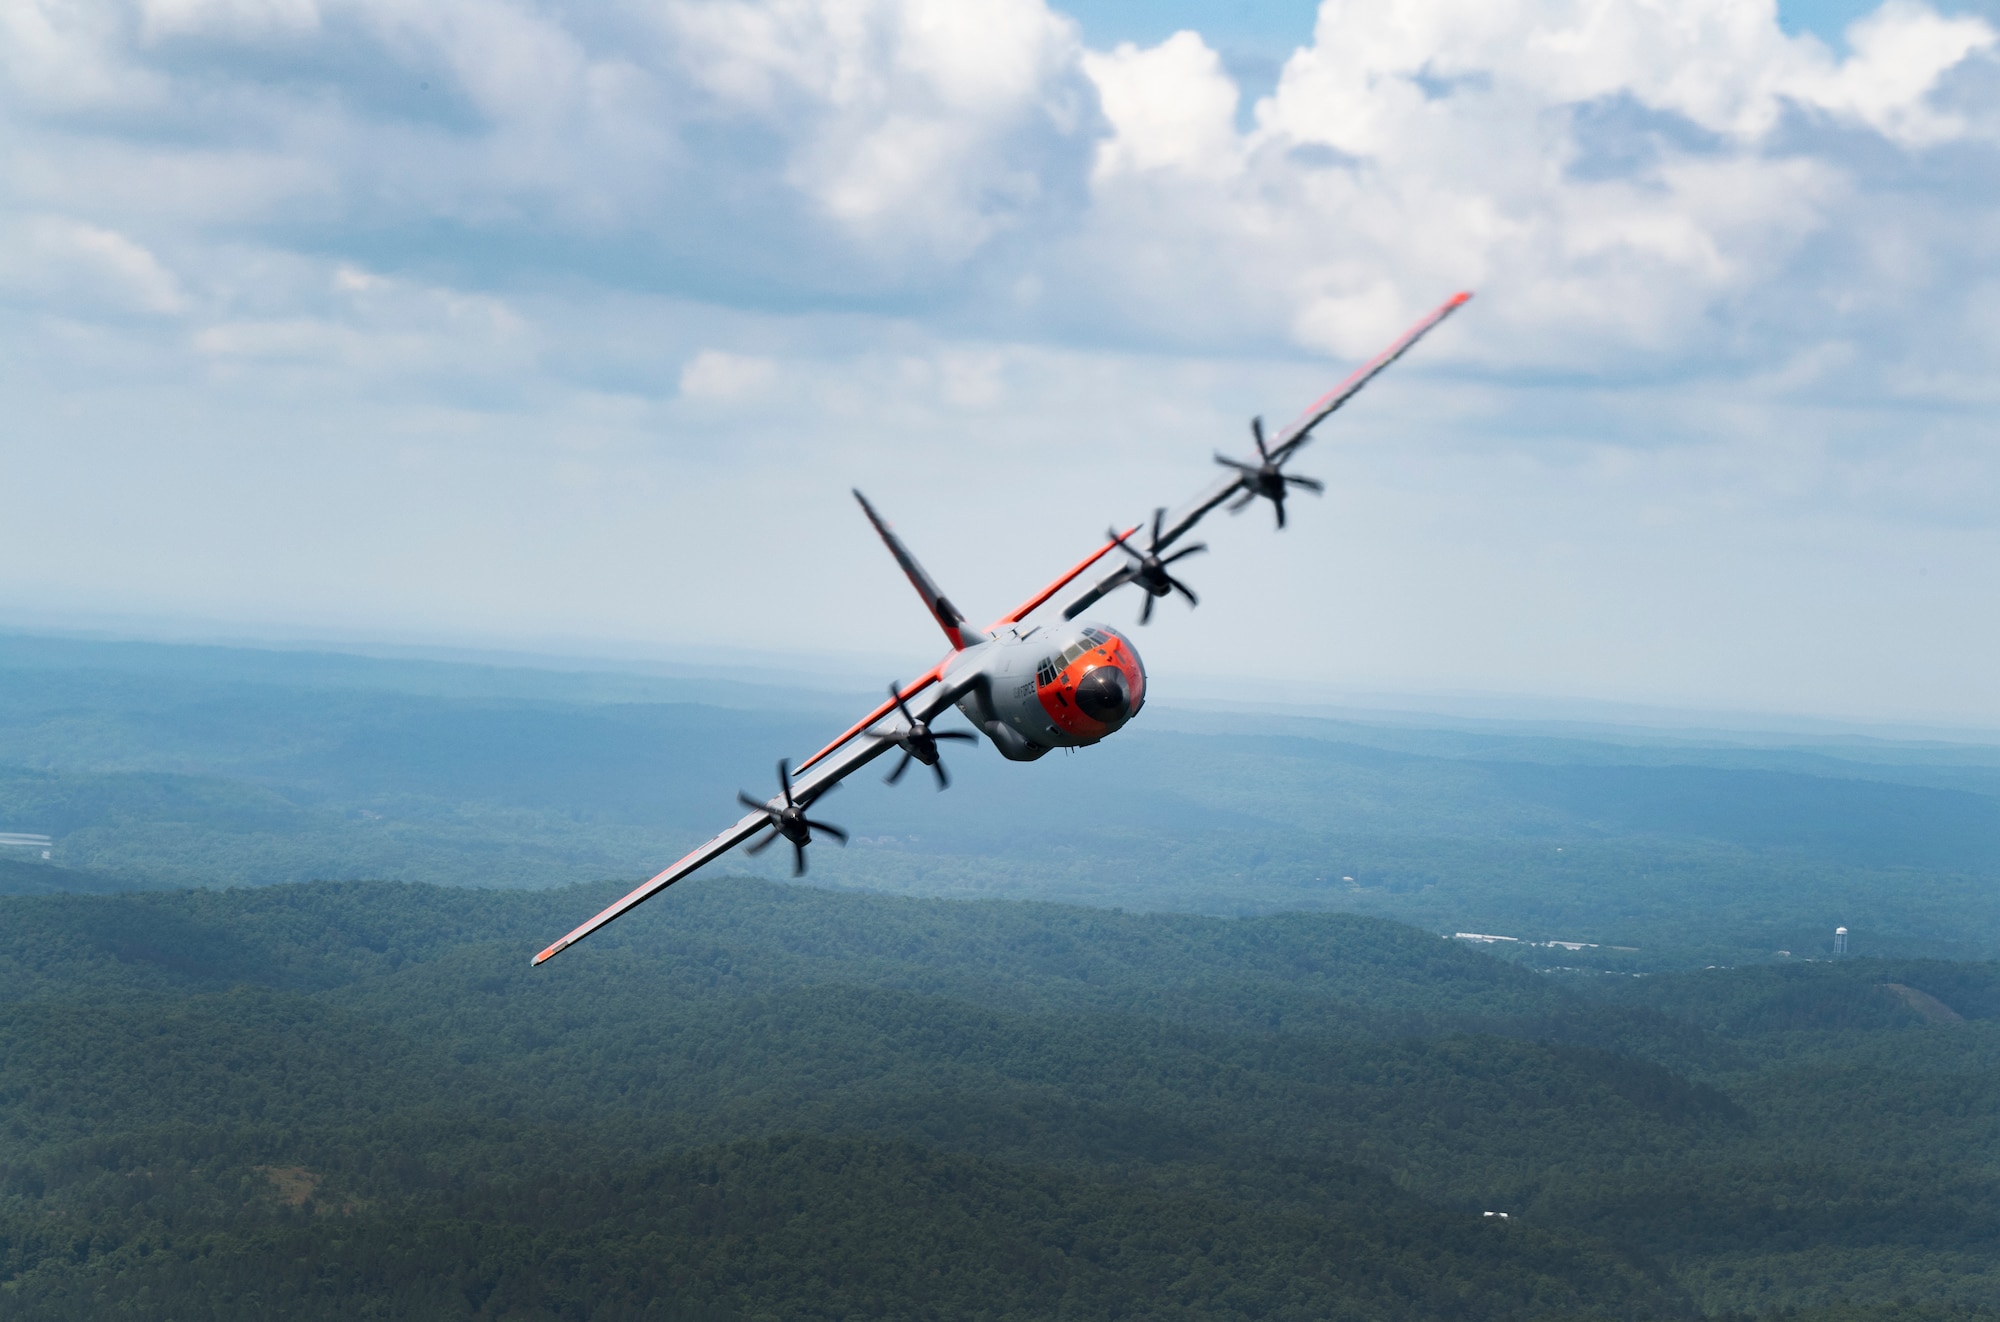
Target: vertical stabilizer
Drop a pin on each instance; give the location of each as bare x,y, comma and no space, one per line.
946,614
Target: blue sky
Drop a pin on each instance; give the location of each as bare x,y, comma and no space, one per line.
569,326
1277,29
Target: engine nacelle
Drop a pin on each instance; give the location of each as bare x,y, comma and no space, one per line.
1064,686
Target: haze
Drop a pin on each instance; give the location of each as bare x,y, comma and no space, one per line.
567,327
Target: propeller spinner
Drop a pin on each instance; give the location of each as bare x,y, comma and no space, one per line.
920,742
790,821
1266,478
1149,569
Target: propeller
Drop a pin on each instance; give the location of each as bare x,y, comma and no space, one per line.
1149,570
1266,478
920,743
790,821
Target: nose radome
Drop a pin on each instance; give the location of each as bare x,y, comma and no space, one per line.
1102,695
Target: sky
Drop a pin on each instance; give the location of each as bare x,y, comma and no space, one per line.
568,327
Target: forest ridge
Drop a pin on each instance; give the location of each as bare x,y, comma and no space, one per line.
760,1100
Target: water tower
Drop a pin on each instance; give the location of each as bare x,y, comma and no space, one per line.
1839,940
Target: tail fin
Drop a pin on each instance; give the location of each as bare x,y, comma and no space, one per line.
946,614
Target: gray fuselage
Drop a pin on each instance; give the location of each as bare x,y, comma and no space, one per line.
1031,688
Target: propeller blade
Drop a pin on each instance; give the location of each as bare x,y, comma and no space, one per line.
1237,506
785,779
1146,611
1278,504
1257,435
798,859
1158,515
896,692
1123,545
967,735
830,829
901,767
1196,549
1236,464
944,780
751,803
1311,484
763,844
1184,590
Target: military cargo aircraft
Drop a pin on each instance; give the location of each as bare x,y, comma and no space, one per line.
1028,686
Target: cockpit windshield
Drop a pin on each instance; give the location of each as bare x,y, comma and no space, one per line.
1046,672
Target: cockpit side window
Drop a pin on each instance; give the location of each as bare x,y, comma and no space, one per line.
1045,673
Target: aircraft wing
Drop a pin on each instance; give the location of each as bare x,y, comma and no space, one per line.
1183,520
1291,438
714,849
827,769
1300,431
1034,603
1124,574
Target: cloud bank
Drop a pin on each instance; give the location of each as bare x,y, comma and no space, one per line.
524,261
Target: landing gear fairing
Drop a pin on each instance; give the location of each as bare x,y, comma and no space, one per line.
1028,687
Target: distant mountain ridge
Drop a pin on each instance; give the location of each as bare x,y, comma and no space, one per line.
163,766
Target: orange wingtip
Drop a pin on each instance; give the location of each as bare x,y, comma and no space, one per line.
552,950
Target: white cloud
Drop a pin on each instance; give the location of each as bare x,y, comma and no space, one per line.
1900,52
1619,171
1734,289
82,267
1171,105
1429,144
1723,64
59,55
250,18
905,121
367,327
726,377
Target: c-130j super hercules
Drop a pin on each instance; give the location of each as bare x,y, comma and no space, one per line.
1027,687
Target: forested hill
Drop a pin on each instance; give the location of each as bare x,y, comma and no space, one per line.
754,1100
